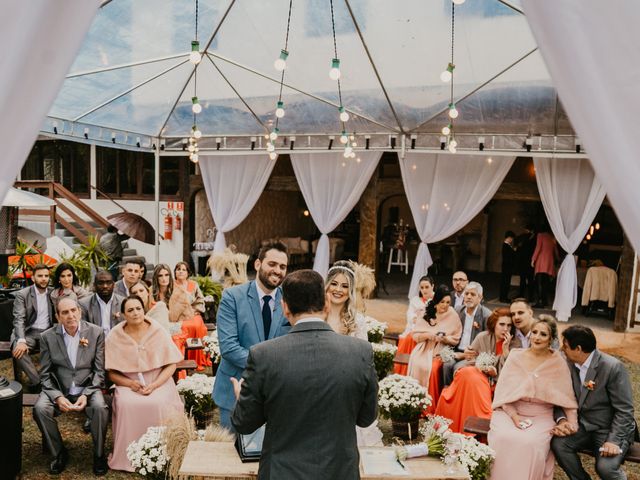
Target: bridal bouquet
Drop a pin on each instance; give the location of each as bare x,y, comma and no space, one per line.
148,455
196,390
375,329
447,354
383,355
212,346
402,398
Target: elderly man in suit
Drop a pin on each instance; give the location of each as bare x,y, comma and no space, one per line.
72,378
311,387
103,307
32,315
249,314
606,423
473,316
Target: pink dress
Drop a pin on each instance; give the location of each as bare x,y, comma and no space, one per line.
133,413
545,254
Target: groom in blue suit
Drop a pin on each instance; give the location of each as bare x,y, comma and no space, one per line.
249,314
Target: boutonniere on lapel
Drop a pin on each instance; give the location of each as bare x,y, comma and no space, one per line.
476,325
84,342
589,385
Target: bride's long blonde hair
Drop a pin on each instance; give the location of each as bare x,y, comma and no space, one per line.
348,313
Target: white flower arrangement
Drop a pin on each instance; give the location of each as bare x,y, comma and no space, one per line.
486,360
196,390
474,458
212,346
148,455
401,397
383,355
447,354
375,329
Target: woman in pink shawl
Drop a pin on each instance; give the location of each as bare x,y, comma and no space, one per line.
140,359
440,326
533,381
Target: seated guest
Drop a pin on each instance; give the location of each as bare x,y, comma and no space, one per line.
140,360
131,273
179,302
532,382
103,307
159,312
72,360
459,282
66,284
32,315
417,305
473,317
471,392
181,273
440,327
606,423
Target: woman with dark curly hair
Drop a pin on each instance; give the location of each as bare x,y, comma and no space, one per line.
66,284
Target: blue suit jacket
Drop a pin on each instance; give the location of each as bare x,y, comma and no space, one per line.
240,326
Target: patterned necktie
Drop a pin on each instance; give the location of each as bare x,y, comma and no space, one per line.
266,315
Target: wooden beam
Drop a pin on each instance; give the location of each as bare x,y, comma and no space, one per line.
625,279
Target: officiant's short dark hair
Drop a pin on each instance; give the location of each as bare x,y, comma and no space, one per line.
580,335
303,292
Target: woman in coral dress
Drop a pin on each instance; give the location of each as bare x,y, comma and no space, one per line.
471,391
140,359
417,305
439,327
532,382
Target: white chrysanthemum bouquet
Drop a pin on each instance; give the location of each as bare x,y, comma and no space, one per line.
212,346
383,355
447,354
375,329
196,390
148,455
402,398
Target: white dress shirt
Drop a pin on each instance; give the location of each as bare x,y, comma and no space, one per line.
105,314
458,300
72,343
465,340
584,368
42,304
261,294
524,339
310,319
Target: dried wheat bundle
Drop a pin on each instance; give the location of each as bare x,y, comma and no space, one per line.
365,280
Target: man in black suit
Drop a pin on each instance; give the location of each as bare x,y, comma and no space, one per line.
32,315
311,387
508,264
606,423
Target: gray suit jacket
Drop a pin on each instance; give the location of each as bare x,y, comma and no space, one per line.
57,373
609,406
25,311
311,387
479,319
91,309
120,288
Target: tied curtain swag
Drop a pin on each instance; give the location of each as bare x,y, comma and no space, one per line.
571,196
233,184
331,186
444,193
591,50
39,39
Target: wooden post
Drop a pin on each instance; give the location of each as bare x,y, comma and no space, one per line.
368,247
625,279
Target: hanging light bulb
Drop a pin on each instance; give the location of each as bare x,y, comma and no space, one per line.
194,158
597,226
273,155
274,134
280,110
458,2
354,144
281,62
448,73
352,155
358,160
452,148
195,56
591,230
191,148
334,73
271,147
453,143
195,131
343,137
344,116
446,130
348,151
588,237
195,106
453,111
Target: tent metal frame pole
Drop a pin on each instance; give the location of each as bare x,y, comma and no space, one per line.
156,195
479,87
126,65
511,6
373,65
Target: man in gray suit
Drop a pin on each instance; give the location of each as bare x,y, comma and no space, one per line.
473,316
131,274
103,307
32,315
606,423
249,314
311,387
72,378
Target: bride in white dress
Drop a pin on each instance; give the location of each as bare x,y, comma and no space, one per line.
345,320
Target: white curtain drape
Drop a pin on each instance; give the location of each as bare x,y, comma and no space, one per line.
591,50
445,192
571,195
331,186
233,184
39,39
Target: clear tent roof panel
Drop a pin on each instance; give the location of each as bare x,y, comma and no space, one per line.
391,56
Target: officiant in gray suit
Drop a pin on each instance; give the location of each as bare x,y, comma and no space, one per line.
311,387
606,423
72,375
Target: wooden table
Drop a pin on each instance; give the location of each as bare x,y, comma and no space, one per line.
220,461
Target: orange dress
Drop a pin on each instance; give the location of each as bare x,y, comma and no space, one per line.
195,328
469,395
